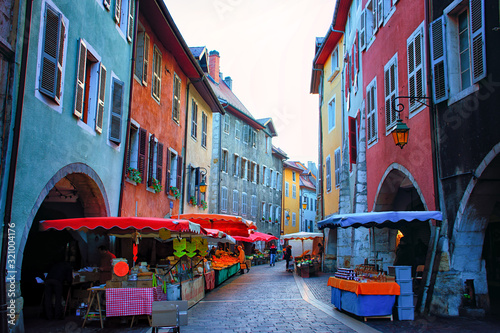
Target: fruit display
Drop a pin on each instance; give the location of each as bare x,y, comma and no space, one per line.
223,262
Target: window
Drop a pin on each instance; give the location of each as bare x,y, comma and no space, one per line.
270,217
124,16
173,169
245,134
328,172
294,191
253,137
236,164
335,63
194,120
133,148
278,182
224,162
263,208
204,127
253,206
51,67
287,191
391,84
156,83
90,88
248,175
155,161
142,56
367,30
237,130
293,176
273,179
253,172
268,145
371,110
268,177
243,204
176,107
458,53
244,174
264,174
141,152
226,123
294,219
416,77
115,124
223,201
338,162
331,114
278,214
353,140
235,201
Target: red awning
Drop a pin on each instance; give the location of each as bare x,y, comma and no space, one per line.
230,224
117,224
256,236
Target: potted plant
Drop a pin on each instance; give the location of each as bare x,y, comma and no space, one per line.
134,175
192,200
174,191
269,220
156,185
276,221
203,204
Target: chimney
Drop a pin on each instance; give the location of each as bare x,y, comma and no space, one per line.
213,65
229,82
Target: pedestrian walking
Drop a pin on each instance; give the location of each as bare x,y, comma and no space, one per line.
242,258
288,257
272,255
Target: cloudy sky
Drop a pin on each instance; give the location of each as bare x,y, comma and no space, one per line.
267,48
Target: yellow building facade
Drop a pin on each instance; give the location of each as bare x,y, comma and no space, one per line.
291,198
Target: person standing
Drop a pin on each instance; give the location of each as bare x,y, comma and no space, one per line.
59,273
106,264
272,255
241,258
288,257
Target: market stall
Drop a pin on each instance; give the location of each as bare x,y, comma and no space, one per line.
230,224
304,250
178,275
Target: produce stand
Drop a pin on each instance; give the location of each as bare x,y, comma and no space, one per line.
364,299
223,274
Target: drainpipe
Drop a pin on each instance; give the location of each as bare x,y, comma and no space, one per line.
12,168
181,202
129,119
436,170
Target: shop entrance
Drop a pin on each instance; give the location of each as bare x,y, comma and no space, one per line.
74,195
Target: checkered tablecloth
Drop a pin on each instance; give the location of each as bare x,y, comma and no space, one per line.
132,301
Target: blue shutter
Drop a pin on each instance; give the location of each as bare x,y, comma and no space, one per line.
49,73
116,112
478,48
438,61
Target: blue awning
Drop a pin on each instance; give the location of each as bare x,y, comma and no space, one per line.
378,219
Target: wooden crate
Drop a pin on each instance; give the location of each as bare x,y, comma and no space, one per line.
113,284
129,284
145,284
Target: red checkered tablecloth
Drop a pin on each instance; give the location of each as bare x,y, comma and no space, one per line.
132,301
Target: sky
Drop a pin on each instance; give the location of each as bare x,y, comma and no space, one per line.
267,48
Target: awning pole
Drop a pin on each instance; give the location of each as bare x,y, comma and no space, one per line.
431,265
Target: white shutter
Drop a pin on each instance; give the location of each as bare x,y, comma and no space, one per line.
116,112
478,49
118,10
415,69
438,61
100,99
52,51
60,56
145,70
394,2
362,30
130,27
80,79
375,15
390,79
380,12
106,4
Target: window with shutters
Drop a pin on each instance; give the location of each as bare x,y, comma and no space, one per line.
141,56
287,191
155,161
294,191
331,114
173,169
236,164
52,45
253,172
271,213
156,76
334,66
224,161
249,171
253,137
458,53
263,209
245,133
204,129
264,171
416,73
237,130
328,174
278,182
133,147
294,219
367,16
223,199
176,100
226,123
253,206
273,179
338,162
293,176
90,87
116,113
353,140
235,202
390,90
244,207
244,174
124,12
371,112
194,119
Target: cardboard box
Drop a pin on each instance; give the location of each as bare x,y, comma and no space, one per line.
129,284
182,310
119,278
113,284
145,284
164,314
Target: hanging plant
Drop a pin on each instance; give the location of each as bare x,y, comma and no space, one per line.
193,201
156,185
203,204
174,191
134,175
